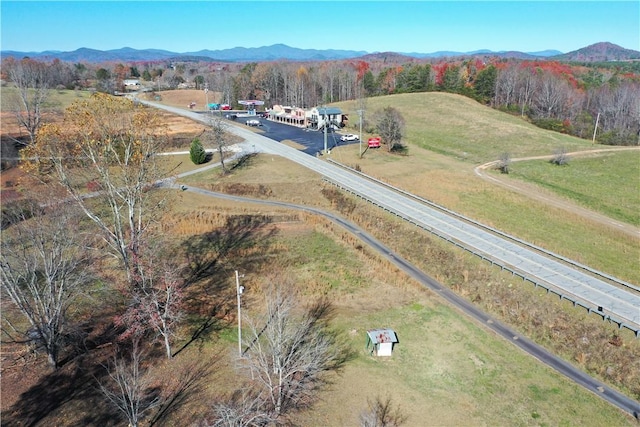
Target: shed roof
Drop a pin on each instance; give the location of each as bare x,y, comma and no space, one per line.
382,336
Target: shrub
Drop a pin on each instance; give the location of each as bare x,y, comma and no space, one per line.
550,124
560,157
504,162
198,155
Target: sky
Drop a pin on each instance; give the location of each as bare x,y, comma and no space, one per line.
370,26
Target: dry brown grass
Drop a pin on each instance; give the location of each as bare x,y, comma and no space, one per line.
555,324
183,97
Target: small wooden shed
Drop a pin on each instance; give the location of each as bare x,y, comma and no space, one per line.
381,341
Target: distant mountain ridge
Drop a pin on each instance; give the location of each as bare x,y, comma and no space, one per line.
596,52
600,52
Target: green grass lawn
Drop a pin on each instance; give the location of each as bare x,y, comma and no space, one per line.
608,183
447,370
462,128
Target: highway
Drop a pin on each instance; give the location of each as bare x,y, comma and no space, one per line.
543,268
611,302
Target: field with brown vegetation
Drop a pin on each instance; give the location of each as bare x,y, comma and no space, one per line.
446,370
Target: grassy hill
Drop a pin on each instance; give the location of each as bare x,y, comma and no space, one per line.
448,135
461,128
447,369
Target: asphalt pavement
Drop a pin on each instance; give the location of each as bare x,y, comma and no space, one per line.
625,305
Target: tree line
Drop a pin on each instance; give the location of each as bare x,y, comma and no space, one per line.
579,99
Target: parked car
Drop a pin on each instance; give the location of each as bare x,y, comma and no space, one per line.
349,137
253,122
225,107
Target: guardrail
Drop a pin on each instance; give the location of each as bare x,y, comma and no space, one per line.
577,302
493,230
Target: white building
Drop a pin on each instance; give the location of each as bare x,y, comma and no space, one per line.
131,84
319,117
381,341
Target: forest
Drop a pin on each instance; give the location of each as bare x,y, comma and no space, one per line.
119,276
589,100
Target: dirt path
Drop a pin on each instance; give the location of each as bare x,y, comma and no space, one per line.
551,199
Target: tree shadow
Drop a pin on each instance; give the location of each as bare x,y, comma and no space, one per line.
244,239
244,161
71,388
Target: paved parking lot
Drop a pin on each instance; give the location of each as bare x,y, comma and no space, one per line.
311,139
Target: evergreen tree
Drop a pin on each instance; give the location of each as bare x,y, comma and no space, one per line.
197,153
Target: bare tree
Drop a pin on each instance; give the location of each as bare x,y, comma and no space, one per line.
290,356
550,97
157,303
180,383
390,126
128,387
381,413
44,265
506,86
103,156
244,408
219,138
32,81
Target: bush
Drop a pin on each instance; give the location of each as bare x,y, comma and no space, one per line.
504,162
197,153
560,157
616,138
550,124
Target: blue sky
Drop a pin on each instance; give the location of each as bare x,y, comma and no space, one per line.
372,26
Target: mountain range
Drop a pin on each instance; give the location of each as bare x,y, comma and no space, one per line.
596,52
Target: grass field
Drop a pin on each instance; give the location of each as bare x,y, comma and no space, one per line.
452,183
446,370
57,100
608,182
461,128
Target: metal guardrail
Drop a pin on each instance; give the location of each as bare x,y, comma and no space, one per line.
493,230
589,306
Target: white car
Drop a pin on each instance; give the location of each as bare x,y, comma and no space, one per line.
349,137
253,122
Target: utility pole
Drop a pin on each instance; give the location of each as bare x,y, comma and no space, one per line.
324,121
360,113
325,138
206,95
239,290
595,129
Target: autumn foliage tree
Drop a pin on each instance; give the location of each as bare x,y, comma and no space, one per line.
110,142
156,304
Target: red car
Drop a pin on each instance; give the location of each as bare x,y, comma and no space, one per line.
225,107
